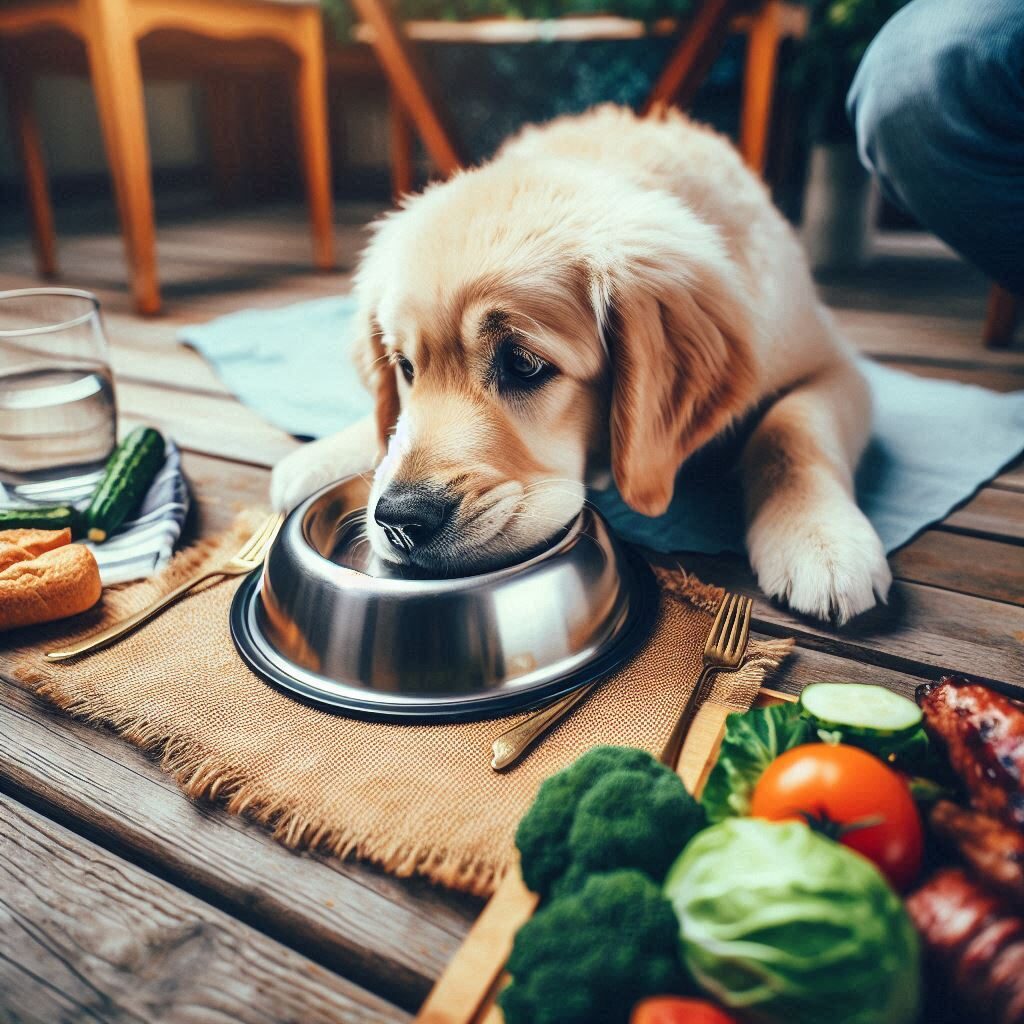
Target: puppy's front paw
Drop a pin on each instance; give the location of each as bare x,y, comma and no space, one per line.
826,561
297,476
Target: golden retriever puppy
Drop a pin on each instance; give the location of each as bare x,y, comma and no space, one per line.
603,298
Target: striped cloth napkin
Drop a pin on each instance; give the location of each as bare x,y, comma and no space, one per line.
142,545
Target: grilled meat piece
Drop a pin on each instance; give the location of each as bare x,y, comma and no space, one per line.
973,945
993,850
984,735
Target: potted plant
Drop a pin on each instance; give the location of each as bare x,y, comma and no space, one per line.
841,199
492,89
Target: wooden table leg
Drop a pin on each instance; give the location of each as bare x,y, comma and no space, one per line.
1001,317
25,131
402,168
117,83
311,120
763,44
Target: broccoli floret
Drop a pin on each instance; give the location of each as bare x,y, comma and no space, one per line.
587,957
615,807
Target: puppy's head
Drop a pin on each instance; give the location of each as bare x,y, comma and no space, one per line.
525,328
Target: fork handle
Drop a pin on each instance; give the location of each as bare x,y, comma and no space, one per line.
107,636
698,695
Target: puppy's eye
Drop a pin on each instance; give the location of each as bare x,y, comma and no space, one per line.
520,365
404,366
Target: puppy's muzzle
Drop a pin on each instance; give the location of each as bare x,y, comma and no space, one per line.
412,515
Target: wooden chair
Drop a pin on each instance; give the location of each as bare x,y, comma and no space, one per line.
1001,318
415,105
114,42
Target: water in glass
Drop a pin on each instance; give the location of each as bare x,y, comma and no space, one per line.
57,410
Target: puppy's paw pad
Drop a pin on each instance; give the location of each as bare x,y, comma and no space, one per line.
830,566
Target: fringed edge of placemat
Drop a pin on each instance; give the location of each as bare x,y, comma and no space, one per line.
204,775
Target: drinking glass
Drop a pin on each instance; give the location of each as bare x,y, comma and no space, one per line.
58,419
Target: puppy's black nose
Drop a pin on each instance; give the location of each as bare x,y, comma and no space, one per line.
412,514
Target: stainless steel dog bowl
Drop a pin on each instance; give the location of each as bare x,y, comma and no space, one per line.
328,623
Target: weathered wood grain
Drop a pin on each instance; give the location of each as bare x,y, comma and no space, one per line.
392,936
967,564
923,631
87,936
993,512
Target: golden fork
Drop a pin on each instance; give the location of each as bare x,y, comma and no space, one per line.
723,652
249,557
510,745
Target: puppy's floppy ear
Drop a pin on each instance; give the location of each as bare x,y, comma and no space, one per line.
682,368
377,373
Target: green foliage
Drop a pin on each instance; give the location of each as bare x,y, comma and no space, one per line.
343,18
588,957
752,741
615,807
839,35
786,925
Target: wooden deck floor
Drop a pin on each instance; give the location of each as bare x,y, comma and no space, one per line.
123,901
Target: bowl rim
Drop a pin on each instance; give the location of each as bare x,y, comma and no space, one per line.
323,567
331,695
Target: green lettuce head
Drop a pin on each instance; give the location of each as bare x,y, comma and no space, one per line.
787,927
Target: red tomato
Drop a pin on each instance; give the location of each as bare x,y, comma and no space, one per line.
848,794
673,1010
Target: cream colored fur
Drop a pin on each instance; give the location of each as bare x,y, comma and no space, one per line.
648,265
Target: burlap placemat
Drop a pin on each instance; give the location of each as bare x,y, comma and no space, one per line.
413,799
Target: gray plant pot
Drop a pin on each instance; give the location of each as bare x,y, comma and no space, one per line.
840,208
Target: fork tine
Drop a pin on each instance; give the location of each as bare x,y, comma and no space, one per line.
257,554
716,626
735,625
257,538
736,650
730,626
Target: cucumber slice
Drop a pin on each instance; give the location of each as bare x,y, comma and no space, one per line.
858,709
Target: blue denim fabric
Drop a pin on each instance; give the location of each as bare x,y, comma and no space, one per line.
938,107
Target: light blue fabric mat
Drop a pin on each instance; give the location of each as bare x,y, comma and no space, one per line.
935,442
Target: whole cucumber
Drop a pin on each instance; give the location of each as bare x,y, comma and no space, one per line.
51,517
130,471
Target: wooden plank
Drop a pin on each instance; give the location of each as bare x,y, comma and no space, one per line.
1011,479
391,936
205,423
994,379
85,935
939,339
967,564
808,665
993,512
923,631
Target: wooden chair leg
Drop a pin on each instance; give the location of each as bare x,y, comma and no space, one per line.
402,169
759,84
117,83
410,81
695,52
311,121
25,132
1001,318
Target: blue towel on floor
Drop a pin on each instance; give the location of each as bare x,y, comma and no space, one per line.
935,442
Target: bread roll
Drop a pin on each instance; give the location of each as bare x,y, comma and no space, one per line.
60,582
19,545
